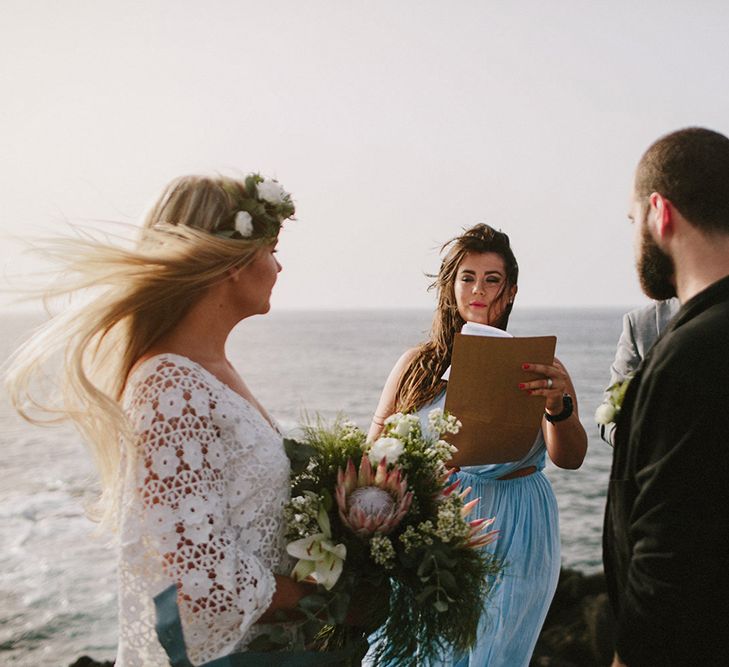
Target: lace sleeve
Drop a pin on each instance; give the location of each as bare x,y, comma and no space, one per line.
182,489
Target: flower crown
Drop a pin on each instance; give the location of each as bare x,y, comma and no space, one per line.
259,212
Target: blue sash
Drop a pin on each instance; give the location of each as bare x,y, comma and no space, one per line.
169,633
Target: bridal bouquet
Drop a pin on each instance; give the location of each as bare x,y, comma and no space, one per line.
384,535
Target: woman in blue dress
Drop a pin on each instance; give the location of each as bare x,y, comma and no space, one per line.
477,283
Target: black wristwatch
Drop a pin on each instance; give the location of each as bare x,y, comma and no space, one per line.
567,408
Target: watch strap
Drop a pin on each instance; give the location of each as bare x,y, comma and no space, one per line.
568,407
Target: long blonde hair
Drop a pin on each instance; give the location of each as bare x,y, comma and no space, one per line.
421,381
133,296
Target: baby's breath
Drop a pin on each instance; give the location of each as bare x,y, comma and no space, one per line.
382,551
415,537
451,526
300,514
440,422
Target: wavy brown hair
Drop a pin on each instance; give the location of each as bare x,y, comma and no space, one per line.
421,381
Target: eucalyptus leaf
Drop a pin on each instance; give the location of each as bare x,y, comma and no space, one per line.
307,485
272,640
339,607
448,582
443,559
299,455
313,602
326,500
426,593
426,567
441,606
264,644
311,628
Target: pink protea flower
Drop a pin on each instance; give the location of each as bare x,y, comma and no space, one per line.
372,502
478,536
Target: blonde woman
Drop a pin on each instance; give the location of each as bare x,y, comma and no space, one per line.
193,469
477,283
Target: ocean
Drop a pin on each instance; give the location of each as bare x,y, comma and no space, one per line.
57,576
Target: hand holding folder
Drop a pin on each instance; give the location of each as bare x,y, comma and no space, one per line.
500,422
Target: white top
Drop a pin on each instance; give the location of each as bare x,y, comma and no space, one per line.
202,507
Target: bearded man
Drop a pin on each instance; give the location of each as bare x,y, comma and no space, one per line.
666,539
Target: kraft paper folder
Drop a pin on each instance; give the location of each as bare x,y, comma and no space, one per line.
500,421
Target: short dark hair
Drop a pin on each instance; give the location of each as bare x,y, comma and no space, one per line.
689,167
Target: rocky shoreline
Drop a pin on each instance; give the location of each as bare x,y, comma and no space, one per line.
578,631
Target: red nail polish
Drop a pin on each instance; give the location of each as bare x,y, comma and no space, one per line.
525,366
521,386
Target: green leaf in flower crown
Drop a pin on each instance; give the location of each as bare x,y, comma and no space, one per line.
252,180
259,210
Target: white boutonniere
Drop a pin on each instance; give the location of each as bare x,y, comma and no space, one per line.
608,411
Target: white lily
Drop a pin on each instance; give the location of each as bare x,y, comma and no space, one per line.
318,555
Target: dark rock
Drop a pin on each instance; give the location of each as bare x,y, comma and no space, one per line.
579,630
600,627
85,661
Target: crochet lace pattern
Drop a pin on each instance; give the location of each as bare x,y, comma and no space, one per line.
202,507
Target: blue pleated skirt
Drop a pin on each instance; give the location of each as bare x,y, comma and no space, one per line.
528,545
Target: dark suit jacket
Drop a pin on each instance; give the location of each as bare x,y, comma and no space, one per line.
666,538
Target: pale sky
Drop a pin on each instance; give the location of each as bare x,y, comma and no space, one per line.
393,123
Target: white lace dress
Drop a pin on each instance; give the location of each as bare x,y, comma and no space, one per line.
202,507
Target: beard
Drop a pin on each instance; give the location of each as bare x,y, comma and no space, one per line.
655,269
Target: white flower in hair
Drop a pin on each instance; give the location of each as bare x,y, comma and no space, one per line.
271,191
244,224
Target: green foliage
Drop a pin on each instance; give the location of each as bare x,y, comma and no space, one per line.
422,627
617,392
299,454
328,449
